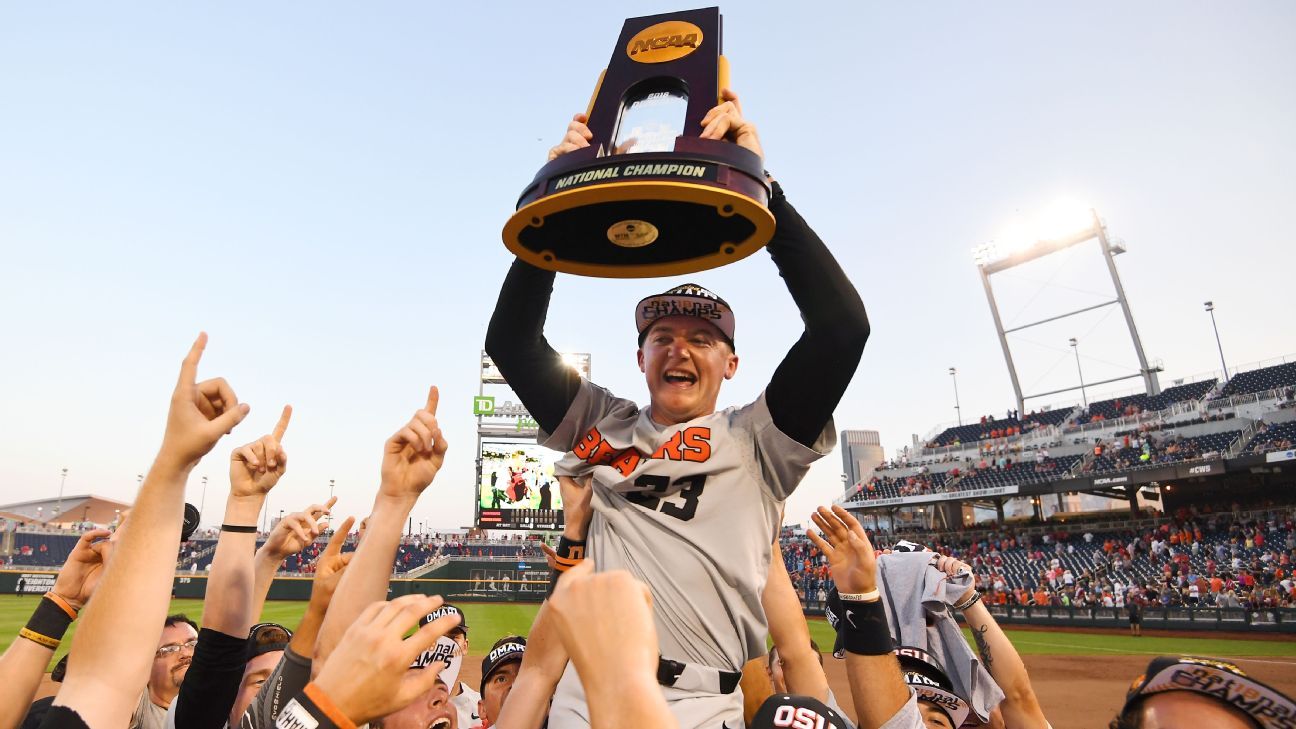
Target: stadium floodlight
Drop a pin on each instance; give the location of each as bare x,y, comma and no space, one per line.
954,375
1079,372
1059,226
58,510
1210,308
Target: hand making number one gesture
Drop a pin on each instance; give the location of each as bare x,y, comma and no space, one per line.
256,467
201,412
412,457
851,558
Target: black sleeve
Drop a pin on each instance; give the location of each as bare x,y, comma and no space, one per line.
63,717
515,341
212,683
812,378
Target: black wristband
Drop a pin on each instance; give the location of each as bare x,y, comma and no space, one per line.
864,628
239,529
49,621
570,553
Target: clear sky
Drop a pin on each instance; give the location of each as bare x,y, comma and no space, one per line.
321,187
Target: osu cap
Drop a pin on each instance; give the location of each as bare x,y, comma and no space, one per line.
443,611
783,710
686,300
506,650
1220,680
924,675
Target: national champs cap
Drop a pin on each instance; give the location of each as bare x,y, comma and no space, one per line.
686,300
929,682
507,649
1220,680
783,710
443,611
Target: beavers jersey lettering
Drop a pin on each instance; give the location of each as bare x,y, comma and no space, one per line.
689,509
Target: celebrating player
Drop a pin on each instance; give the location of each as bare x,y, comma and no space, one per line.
687,498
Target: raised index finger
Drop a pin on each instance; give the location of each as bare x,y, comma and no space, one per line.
434,397
282,426
189,367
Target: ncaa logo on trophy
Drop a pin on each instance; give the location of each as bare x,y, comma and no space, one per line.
648,197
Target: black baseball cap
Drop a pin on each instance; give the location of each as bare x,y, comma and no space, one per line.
928,680
266,638
506,650
1220,680
686,300
784,710
443,611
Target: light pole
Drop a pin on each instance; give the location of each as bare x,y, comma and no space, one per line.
1210,308
957,409
1080,372
330,488
202,504
58,509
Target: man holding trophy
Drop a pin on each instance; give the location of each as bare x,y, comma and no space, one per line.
686,498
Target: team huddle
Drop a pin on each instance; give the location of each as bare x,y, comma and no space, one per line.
667,581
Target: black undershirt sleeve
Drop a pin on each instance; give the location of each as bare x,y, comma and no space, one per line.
515,341
211,685
811,379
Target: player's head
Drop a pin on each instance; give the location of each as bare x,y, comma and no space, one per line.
265,646
1179,691
686,351
431,710
174,654
459,634
783,710
499,670
774,667
940,707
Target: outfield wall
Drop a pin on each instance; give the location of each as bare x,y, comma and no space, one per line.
465,581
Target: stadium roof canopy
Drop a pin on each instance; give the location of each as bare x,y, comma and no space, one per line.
74,508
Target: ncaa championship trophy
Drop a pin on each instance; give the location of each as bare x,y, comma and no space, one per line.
648,197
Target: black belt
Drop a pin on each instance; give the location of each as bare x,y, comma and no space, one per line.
696,677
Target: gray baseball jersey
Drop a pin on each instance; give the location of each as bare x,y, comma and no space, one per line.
689,509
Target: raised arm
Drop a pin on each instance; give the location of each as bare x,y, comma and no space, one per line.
811,379
291,535
515,338
1020,707
877,686
606,626
112,651
411,459
23,664
802,670
212,683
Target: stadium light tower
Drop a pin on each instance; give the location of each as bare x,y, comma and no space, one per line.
1080,372
957,409
1210,308
58,508
202,503
1064,225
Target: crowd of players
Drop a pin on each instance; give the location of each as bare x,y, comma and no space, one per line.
348,661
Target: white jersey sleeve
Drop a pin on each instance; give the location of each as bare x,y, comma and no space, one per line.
779,462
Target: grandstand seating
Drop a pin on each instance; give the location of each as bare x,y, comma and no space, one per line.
1049,417
1267,378
1165,450
1189,392
1025,472
42,549
1185,550
1275,437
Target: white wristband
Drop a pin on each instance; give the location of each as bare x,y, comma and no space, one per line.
869,596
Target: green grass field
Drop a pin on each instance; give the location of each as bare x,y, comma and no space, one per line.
489,621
